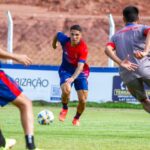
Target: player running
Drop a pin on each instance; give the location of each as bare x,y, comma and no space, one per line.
73,70
130,48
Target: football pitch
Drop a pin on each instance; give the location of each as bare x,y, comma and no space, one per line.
100,129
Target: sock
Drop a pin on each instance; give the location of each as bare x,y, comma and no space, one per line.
2,140
30,142
77,116
65,106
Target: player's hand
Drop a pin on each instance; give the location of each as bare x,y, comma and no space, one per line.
140,54
69,80
23,59
128,65
54,46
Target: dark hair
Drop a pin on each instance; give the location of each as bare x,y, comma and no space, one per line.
131,13
76,27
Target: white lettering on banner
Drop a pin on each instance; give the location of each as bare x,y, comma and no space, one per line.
32,82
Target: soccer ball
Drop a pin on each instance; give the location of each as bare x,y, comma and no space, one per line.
45,117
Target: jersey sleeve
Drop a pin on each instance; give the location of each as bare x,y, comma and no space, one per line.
83,54
111,43
145,30
62,38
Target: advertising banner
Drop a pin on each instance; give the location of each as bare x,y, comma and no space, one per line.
43,83
37,84
121,93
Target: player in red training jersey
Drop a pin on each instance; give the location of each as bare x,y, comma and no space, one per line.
73,70
12,93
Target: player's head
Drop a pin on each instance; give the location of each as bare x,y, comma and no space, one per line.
75,34
131,14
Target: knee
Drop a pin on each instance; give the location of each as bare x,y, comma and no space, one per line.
82,100
66,90
23,102
27,104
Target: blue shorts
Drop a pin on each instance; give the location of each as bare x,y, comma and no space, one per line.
9,90
80,83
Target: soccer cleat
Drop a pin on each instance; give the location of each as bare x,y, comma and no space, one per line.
9,144
76,122
62,115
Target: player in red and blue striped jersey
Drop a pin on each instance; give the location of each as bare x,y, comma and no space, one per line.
73,70
11,92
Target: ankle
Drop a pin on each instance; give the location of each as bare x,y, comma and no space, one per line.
77,116
30,142
65,106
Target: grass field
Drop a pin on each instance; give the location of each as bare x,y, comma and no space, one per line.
101,129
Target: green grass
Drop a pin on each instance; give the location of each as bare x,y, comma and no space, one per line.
101,129
92,104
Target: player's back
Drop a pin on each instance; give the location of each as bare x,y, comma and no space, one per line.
126,41
129,39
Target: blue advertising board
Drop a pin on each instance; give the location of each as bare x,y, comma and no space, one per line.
121,93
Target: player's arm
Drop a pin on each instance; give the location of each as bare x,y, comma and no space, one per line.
78,70
109,51
147,44
140,54
23,59
54,42
59,37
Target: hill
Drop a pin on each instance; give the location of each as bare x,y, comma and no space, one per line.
36,22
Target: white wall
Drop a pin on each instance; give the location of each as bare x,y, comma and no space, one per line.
42,82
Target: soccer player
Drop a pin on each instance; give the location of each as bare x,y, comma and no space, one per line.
129,48
11,92
73,70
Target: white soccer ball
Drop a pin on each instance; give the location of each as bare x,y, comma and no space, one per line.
45,117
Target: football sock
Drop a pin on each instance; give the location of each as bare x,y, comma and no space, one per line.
30,141
65,106
2,140
77,116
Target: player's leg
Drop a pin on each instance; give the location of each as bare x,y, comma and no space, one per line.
26,115
11,92
136,88
81,85
66,89
146,102
82,97
2,140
